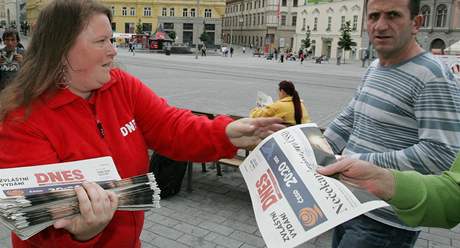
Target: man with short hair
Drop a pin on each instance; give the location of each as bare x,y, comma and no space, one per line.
405,115
11,57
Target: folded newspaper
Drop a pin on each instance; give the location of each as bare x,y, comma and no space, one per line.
292,203
33,198
263,99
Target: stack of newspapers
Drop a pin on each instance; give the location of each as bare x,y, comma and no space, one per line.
33,198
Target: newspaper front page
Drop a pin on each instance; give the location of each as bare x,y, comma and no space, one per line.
292,203
17,183
31,180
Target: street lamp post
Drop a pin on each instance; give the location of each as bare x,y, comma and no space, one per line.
241,20
197,22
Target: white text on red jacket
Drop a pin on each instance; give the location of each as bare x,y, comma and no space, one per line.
128,128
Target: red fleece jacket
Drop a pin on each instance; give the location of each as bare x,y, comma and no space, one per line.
64,127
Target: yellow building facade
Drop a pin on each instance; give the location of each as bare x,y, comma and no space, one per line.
175,15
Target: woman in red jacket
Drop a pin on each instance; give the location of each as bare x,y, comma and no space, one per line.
69,103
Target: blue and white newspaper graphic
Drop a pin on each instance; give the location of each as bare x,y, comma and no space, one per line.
292,203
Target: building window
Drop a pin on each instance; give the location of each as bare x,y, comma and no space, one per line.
315,24
329,23
132,11
283,20
263,3
185,12
192,12
124,11
207,13
294,21
163,12
284,3
262,19
426,13
355,23
254,19
171,12
168,26
148,11
441,16
113,10
187,26
304,23
342,23
295,3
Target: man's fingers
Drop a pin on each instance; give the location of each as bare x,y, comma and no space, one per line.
338,167
62,223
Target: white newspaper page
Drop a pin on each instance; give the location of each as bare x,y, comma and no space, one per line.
292,203
31,180
263,99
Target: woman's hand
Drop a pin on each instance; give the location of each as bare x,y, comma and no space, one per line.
377,180
97,207
248,132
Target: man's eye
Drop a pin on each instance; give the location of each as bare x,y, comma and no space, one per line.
373,17
393,14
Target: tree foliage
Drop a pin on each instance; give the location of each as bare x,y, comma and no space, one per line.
346,42
204,37
307,41
139,28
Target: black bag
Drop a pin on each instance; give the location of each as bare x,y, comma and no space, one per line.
168,174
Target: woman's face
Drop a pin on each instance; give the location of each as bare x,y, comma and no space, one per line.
90,59
281,94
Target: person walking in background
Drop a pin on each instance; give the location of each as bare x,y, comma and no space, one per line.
231,51
132,49
405,115
275,51
289,107
282,57
244,49
203,50
301,56
11,57
68,103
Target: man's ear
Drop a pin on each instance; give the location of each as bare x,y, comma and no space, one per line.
417,23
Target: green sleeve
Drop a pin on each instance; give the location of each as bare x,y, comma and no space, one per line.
428,200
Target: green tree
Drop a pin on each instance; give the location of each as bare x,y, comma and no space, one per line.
172,35
345,41
204,37
139,29
306,43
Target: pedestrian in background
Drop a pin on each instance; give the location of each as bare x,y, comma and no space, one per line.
231,51
203,50
71,107
289,106
405,115
11,57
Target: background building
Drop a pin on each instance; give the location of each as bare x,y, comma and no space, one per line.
260,23
180,16
325,20
10,12
441,25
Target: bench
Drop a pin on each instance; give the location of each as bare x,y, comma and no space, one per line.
234,162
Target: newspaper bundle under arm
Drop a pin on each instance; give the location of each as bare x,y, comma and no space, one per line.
292,203
263,99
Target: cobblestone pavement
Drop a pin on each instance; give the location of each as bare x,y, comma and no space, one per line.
218,214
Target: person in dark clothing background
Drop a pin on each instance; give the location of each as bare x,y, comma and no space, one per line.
11,57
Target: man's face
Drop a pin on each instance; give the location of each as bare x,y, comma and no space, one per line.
390,26
10,42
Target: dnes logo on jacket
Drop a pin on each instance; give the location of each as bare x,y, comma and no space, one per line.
128,128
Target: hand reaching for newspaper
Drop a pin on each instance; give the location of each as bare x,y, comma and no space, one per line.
248,132
97,207
377,180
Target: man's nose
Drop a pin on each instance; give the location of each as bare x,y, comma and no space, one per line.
381,24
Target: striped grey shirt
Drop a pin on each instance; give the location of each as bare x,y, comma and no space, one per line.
404,117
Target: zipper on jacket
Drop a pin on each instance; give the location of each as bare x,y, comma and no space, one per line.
100,128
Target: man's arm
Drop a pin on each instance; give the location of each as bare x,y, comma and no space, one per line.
437,113
428,200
